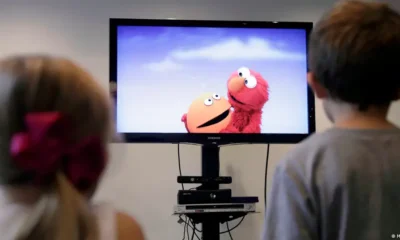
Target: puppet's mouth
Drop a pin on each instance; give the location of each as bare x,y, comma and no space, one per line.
215,120
234,99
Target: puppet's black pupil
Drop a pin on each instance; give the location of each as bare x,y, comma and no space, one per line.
245,81
240,74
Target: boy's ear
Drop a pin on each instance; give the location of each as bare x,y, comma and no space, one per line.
319,90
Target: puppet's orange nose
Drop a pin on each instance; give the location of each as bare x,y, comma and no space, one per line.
236,84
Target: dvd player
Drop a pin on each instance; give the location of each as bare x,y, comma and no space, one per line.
204,196
215,208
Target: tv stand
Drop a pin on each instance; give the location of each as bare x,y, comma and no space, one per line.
210,165
211,220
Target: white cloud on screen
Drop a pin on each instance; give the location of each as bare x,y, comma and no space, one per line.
163,66
235,49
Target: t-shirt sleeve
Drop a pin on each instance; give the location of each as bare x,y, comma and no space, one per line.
289,214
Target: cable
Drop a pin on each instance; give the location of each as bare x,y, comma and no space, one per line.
186,226
229,231
237,225
187,223
184,231
197,230
193,232
179,164
266,174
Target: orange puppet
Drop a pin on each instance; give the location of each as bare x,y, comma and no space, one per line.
209,113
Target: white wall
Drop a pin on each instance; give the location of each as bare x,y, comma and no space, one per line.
394,3
142,180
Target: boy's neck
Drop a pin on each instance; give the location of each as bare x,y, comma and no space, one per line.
350,117
364,123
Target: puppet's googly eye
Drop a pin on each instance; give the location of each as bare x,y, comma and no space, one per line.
208,102
243,72
250,82
216,96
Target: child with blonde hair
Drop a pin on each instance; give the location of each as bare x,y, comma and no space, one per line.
55,123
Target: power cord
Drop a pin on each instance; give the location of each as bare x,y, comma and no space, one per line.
266,174
186,221
184,230
179,164
229,230
194,231
187,225
237,225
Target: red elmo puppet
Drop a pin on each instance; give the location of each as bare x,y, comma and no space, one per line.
247,93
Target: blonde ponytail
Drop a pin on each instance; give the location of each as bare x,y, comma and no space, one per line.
62,215
75,220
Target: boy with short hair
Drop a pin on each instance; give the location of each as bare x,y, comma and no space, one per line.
345,183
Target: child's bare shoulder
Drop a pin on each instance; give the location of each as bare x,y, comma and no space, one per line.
128,228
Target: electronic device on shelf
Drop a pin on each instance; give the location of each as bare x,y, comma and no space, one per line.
204,196
215,208
211,83
200,179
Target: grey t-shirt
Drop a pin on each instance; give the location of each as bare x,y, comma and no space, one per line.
336,185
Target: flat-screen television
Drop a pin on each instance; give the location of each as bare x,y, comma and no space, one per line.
211,81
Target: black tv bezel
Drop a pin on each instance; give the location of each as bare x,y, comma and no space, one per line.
209,138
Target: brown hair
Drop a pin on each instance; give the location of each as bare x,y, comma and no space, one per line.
353,53
42,84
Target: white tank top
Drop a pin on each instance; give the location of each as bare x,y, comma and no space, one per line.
13,215
106,219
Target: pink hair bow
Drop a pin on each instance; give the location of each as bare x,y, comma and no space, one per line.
45,148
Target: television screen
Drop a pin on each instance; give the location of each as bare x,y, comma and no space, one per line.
211,79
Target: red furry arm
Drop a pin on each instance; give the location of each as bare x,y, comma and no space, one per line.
254,125
184,120
230,129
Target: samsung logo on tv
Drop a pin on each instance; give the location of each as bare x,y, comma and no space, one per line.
214,138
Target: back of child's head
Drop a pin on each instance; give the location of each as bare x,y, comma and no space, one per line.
48,107
353,53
